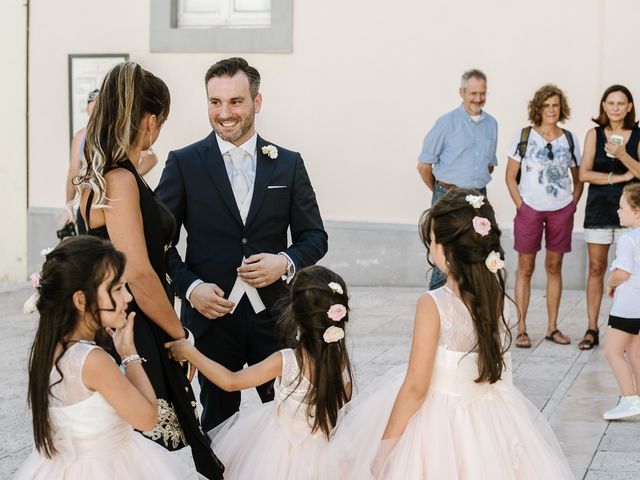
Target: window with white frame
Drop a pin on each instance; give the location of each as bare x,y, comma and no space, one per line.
224,13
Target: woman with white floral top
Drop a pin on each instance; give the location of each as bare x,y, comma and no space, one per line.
542,177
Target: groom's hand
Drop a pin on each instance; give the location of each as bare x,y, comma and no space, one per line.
208,299
263,269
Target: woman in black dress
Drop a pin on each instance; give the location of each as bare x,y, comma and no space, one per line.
607,167
117,204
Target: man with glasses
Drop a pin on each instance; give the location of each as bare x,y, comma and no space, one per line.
460,149
542,177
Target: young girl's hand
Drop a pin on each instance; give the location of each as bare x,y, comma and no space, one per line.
611,290
123,337
179,349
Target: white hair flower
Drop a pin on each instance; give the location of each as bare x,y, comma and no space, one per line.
30,305
476,201
333,334
336,287
270,151
46,251
494,262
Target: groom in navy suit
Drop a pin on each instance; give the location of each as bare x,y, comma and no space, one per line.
237,195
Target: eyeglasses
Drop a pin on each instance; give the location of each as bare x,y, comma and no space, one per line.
549,151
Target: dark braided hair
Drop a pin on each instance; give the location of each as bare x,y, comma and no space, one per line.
450,221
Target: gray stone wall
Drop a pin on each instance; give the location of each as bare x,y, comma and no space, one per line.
365,254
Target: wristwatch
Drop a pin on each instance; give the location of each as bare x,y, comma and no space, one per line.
291,269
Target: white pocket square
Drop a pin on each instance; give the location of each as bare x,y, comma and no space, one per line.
277,186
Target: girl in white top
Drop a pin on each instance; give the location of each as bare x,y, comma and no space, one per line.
624,319
287,438
84,408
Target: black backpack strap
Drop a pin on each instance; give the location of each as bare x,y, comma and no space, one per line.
572,145
521,149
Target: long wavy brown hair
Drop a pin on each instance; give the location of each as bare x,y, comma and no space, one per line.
77,264
483,292
305,313
543,94
127,94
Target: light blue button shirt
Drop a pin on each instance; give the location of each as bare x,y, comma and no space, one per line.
461,149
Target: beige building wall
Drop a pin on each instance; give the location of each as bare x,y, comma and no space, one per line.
13,142
364,83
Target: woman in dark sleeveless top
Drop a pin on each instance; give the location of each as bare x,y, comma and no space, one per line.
608,167
118,205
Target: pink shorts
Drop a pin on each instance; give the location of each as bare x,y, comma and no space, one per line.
557,226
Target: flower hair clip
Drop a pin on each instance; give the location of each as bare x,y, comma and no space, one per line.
476,201
333,334
337,312
35,279
494,262
481,225
336,287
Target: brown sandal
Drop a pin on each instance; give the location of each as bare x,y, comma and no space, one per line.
587,343
523,340
553,336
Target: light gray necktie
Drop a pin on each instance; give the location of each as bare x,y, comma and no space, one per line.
239,180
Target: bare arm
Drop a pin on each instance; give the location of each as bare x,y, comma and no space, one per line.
148,160
123,219
578,186
249,377
510,178
586,165
416,383
426,173
74,164
132,396
620,152
617,278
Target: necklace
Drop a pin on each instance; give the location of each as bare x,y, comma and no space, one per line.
86,342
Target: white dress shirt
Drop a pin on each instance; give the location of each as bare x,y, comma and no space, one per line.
250,147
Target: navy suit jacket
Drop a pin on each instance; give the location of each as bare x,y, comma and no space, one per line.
196,188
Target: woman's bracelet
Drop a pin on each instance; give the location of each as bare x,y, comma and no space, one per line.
129,359
610,178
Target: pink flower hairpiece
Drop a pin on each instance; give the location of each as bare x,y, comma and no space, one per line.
337,312
481,225
494,262
333,334
35,279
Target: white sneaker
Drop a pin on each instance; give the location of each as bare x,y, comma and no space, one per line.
627,407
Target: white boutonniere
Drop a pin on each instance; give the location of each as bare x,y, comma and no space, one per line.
270,151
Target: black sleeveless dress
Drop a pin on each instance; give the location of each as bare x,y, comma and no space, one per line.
178,424
602,200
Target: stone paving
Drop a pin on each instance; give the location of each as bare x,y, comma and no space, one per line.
572,388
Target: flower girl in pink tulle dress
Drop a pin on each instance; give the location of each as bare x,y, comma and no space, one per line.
84,408
453,412
287,437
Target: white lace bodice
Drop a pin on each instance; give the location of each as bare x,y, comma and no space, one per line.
291,389
82,420
456,326
71,389
291,385
457,332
